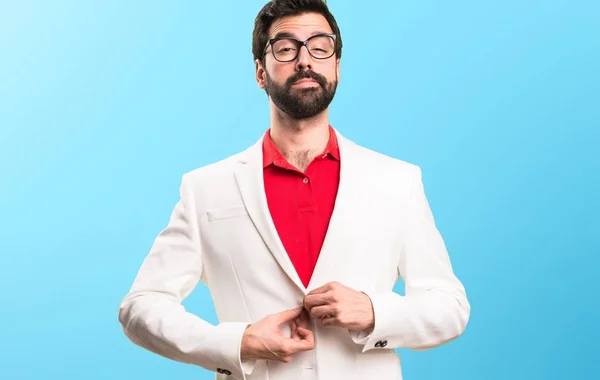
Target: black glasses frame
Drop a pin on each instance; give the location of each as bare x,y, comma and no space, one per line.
299,45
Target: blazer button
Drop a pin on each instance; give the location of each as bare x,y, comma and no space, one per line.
224,371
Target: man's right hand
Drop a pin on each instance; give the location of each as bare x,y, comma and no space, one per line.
264,339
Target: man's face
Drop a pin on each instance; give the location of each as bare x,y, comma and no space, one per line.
305,86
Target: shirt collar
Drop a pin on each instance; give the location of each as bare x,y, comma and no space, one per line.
272,155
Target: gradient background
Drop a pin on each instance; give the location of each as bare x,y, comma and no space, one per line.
104,105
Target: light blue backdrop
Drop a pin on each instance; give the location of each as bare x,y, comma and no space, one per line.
104,105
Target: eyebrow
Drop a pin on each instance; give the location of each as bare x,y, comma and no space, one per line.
290,35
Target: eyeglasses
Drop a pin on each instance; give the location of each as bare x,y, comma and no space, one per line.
286,49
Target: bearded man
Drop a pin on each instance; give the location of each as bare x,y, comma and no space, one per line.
300,238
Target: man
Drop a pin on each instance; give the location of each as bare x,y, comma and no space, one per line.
300,238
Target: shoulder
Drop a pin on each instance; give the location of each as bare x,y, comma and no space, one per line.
214,174
383,164
213,169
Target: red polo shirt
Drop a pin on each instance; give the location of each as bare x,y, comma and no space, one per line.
301,204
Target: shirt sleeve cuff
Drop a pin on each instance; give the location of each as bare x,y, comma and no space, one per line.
248,366
361,337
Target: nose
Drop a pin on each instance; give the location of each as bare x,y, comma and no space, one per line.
304,60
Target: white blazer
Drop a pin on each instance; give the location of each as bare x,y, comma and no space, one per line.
221,233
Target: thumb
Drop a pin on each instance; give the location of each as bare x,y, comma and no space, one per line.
288,315
306,341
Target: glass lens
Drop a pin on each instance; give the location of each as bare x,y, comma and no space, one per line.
285,50
321,46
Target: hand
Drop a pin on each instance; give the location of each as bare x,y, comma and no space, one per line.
264,339
300,324
335,304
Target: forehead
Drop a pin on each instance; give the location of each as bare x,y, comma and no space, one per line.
300,26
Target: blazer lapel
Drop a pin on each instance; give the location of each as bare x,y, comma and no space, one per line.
337,241
249,176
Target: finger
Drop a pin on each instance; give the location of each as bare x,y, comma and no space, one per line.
322,311
321,289
294,329
329,321
305,344
304,316
284,359
287,315
306,335
311,301
303,320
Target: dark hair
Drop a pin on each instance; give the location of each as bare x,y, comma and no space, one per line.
276,9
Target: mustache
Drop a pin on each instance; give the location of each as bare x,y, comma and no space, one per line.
306,75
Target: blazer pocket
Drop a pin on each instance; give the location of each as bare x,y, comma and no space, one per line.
226,213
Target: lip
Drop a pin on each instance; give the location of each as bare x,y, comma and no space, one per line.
305,82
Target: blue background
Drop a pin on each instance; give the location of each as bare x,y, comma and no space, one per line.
104,105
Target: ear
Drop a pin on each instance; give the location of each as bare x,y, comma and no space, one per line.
337,68
260,74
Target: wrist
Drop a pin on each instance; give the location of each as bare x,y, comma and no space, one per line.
245,349
370,325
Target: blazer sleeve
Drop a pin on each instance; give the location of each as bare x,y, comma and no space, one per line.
434,309
152,315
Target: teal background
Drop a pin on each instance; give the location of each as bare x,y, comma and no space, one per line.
104,105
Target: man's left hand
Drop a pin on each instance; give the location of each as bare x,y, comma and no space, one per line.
335,304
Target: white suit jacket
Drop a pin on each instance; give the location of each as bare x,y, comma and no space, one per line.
221,233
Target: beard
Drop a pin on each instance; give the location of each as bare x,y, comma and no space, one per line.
301,103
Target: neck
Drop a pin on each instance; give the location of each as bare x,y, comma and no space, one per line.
300,141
